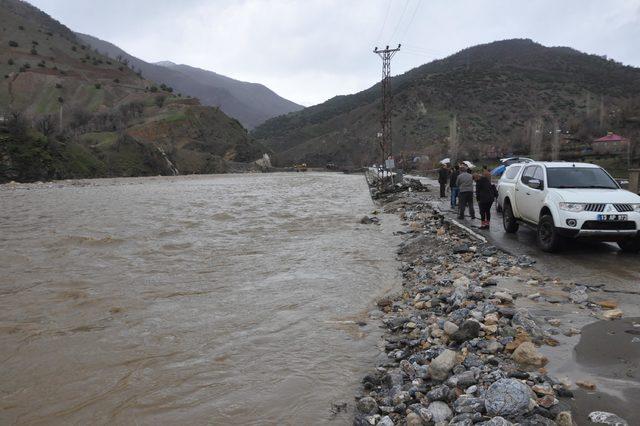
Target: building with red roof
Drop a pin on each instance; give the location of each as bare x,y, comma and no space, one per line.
611,144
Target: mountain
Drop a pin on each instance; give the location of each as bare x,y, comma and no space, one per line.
502,94
250,103
67,111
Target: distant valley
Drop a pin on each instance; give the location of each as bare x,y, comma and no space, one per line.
250,103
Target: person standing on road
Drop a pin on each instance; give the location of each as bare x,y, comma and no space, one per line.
453,184
443,178
465,186
485,194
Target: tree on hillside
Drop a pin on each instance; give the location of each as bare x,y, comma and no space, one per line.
46,125
159,100
16,124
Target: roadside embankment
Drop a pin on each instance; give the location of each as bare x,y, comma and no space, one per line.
462,342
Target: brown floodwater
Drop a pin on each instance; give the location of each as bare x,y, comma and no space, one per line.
229,299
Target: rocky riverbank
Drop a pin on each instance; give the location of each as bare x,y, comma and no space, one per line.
462,345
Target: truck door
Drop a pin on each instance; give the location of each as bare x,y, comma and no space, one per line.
529,196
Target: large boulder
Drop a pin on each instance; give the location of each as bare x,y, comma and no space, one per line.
496,421
605,418
440,412
508,397
367,405
527,355
442,365
468,330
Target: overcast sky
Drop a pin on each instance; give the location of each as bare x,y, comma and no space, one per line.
311,50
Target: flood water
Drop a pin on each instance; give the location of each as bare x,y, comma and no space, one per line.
205,300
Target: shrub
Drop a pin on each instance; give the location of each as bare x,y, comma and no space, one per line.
74,48
121,68
6,76
153,89
42,64
58,86
35,43
116,80
34,51
10,62
13,43
97,85
159,100
20,27
60,100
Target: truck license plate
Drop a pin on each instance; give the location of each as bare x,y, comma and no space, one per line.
611,217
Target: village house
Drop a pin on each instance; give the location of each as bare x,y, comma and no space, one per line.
610,144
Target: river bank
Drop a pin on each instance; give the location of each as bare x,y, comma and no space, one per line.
470,336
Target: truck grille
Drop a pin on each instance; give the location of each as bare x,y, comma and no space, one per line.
609,226
594,207
623,207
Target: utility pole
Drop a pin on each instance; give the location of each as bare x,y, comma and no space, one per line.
386,145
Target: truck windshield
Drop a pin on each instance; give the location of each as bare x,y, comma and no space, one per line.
579,177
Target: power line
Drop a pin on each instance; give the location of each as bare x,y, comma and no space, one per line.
384,24
406,4
415,11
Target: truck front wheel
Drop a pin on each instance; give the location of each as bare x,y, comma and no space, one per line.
548,238
630,246
509,221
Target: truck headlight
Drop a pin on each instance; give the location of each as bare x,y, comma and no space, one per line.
571,207
636,207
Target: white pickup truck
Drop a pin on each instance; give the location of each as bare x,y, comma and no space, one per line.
569,200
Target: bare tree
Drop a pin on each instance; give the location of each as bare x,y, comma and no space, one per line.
453,139
46,125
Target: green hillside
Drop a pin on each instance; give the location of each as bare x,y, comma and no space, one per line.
69,111
498,92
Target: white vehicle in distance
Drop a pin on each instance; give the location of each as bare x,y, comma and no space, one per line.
569,200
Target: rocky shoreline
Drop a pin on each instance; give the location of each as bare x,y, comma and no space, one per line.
460,350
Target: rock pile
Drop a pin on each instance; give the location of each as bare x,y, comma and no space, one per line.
459,351
382,186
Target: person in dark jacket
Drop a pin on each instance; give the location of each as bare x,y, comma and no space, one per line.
443,178
485,194
453,184
465,185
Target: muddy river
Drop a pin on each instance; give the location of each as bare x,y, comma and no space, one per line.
205,300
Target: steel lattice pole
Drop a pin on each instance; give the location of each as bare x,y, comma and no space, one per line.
386,143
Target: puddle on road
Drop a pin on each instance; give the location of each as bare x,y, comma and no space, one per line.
609,351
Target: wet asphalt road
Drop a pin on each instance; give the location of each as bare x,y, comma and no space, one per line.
583,262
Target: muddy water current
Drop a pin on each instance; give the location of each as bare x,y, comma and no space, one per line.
230,299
